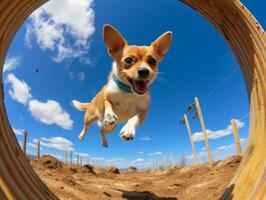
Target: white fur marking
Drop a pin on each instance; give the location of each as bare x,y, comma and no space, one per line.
145,66
114,69
129,129
76,104
99,123
112,87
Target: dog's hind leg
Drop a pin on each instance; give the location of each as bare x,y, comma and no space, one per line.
89,118
104,141
103,132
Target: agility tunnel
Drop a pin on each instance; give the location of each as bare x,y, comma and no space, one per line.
244,36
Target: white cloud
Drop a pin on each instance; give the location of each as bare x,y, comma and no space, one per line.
11,63
188,157
203,149
198,136
84,154
219,152
114,160
155,153
222,148
50,112
119,162
20,91
18,131
243,140
59,143
139,160
64,27
97,158
145,138
227,147
141,152
81,76
32,145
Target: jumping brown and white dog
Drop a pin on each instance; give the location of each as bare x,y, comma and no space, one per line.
126,96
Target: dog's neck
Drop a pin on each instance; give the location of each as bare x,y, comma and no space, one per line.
118,83
114,69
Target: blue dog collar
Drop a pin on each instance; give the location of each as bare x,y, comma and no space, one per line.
121,85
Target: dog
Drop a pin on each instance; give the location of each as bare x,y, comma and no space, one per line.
126,96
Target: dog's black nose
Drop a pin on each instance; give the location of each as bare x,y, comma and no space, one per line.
143,73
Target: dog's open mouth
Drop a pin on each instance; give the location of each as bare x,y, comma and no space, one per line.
139,86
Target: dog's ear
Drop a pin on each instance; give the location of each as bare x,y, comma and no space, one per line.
162,44
113,39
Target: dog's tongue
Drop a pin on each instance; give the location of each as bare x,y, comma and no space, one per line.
140,86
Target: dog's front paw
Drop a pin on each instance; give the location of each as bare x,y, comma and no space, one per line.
109,120
127,133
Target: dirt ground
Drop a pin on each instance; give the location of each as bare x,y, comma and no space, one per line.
206,182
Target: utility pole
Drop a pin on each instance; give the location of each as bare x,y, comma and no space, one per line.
197,104
236,136
191,139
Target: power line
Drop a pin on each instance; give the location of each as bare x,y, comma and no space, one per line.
244,117
220,84
215,88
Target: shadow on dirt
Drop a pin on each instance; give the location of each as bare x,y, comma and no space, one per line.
145,195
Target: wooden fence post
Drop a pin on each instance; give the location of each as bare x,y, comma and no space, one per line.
25,143
237,138
197,104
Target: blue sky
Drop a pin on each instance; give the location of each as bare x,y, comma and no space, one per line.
64,42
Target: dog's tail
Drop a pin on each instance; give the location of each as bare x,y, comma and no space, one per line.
80,106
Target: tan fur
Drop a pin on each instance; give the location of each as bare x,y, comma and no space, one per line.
112,105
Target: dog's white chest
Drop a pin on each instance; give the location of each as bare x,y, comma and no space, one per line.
126,105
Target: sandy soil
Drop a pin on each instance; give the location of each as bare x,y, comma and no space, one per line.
206,182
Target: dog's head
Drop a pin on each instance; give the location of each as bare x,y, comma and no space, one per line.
136,66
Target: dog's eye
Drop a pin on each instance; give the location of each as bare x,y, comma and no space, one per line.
129,61
152,61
